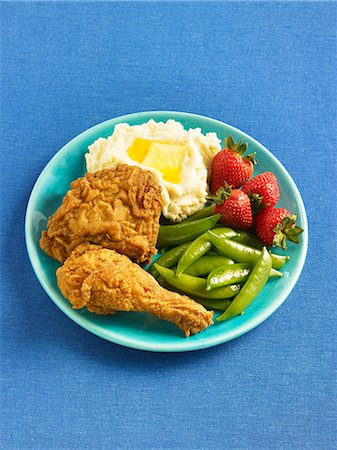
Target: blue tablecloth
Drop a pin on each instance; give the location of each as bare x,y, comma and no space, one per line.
266,68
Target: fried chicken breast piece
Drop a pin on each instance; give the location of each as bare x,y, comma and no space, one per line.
105,282
116,208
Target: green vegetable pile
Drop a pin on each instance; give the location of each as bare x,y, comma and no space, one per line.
219,267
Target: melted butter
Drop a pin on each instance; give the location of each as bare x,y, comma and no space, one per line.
139,149
167,157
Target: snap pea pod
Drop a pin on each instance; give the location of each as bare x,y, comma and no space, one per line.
207,303
211,253
221,231
217,225
224,232
206,264
169,258
243,253
170,235
202,213
217,252
196,286
232,274
223,275
246,238
199,247
165,284
255,282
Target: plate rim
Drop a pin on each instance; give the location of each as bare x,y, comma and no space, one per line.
185,344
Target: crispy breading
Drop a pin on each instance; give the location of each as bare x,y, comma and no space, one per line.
105,282
118,209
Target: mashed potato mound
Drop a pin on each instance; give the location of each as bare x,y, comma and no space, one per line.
180,159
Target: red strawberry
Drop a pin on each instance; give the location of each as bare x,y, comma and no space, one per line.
275,225
235,207
262,190
229,166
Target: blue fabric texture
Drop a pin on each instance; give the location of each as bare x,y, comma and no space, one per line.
268,69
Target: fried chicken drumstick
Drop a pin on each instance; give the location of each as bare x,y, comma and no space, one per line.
115,208
105,282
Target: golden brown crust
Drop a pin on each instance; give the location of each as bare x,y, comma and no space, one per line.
105,282
117,209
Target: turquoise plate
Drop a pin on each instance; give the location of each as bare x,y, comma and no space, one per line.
138,330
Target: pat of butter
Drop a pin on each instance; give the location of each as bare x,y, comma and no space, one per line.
139,149
166,157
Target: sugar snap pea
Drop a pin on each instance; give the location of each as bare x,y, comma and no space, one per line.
243,253
170,235
221,231
211,253
221,305
255,282
232,274
196,286
224,232
247,238
199,247
223,275
204,212
206,264
169,258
